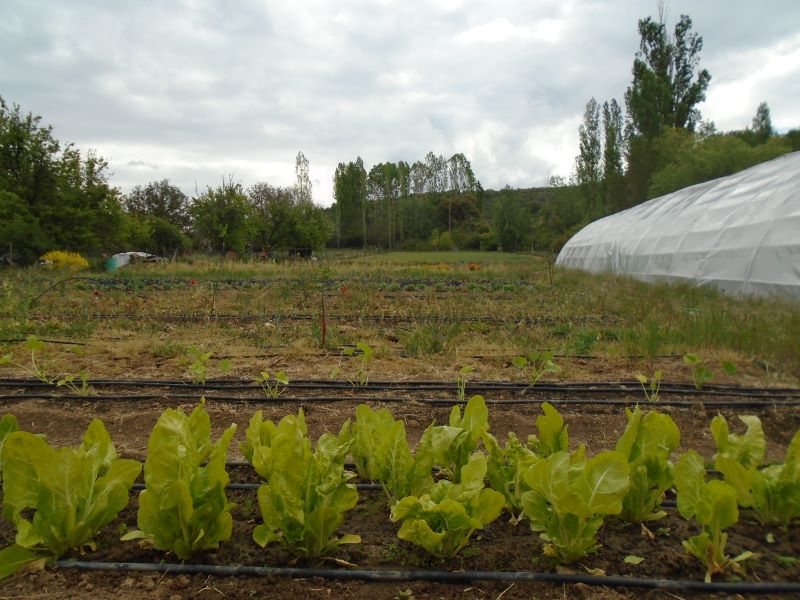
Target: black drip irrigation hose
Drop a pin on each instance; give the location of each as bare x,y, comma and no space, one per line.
437,576
194,317
599,387
766,403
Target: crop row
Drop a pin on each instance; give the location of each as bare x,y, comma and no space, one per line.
60,498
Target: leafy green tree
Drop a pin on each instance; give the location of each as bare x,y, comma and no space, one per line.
589,162
512,223
68,202
20,232
613,185
762,123
664,93
222,218
159,199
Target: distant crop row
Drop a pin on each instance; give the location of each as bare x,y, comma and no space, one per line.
60,498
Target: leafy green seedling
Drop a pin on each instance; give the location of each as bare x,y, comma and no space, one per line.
536,364
363,353
700,373
68,381
273,385
37,367
461,381
650,387
198,368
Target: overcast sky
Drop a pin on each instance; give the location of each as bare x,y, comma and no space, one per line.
197,90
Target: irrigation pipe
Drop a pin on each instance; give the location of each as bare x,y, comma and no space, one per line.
436,576
600,387
766,403
192,317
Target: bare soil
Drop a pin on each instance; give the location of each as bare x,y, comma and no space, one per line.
501,546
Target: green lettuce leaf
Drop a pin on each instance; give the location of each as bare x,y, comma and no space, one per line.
7,424
553,436
748,448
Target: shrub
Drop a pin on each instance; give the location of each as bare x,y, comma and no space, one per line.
63,259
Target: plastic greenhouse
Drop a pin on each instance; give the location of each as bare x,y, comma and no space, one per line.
740,233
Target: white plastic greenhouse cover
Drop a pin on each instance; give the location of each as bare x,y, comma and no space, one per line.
740,233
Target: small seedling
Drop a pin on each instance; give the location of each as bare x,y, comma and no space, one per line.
650,387
537,364
273,385
198,367
363,353
461,381
38,366
68,381
700,373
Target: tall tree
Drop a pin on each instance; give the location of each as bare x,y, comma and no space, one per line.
589,162
664,93
613,151
303,186
762,123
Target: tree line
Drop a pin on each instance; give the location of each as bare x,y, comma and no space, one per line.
52,197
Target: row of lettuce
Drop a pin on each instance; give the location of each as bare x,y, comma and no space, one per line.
59,499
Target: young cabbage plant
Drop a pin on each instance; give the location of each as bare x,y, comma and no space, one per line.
712,504
183,508
198,367
442,520
570,497
381,453
647,443
773,492
450,446
60,498
305,493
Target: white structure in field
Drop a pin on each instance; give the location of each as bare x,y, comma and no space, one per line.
740,233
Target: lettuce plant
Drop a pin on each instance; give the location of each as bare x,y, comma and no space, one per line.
381,453
569,498
183,507
8,424
507,465
713,505
443,520
305,493
505,469
60,498
450,446
647,443
773,492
